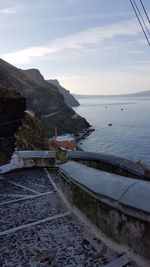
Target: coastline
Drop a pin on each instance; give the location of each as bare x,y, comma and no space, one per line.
82,135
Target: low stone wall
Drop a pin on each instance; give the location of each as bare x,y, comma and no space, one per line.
146,166
29,159
36,158
109,163
119,207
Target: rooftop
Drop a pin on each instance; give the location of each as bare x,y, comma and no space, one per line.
66,137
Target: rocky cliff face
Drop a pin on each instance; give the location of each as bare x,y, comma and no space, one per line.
37,77
12,107
69,99
44,99
40,98
34,75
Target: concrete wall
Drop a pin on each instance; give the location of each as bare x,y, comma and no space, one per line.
36,158
119,207
108,163
146,166
28,159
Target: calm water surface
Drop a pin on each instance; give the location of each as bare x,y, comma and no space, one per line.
129,135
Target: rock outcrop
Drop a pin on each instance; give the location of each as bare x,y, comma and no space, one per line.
70,100
44,99
12,107
35,76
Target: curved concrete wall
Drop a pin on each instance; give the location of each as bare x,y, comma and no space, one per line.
119,207
108,163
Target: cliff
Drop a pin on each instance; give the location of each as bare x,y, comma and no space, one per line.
37,77
12,107
70,100
44,99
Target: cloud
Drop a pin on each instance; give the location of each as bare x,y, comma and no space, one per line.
10,10
97,36
73,1
25,55
86,17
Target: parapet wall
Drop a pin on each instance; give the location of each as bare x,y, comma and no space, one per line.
29,159
119,207
109,163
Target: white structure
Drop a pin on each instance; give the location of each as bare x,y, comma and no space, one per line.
28,159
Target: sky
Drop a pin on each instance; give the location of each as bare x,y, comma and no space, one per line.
90,46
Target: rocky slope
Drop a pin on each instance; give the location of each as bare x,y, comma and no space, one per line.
12,107
44,99
31,135
70,100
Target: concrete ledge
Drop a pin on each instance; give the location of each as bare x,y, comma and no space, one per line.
146,166
108,163
35,154
118,206
29,159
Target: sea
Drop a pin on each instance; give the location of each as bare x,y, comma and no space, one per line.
129,134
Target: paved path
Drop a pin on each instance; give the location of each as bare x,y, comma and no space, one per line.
50,115
38,230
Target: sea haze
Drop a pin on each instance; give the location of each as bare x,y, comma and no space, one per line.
129,135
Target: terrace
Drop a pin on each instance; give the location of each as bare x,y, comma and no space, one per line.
37,228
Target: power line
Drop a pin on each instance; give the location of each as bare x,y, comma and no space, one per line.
141,16
7,138
10,122
139,21
145,11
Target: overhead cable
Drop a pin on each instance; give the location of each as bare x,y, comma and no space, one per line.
7,138
136,13
145,11
140,14
10,122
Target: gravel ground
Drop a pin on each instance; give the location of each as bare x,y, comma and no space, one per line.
34,179
8,188
7,198
31,210
41,231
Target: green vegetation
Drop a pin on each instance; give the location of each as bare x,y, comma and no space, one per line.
61,155
31,135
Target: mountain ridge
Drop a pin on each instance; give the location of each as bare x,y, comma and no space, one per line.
43,99
70,100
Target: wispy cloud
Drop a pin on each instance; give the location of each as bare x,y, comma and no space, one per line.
88,16
73,1
10,10
96,36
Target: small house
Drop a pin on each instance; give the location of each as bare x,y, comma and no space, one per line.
66,141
